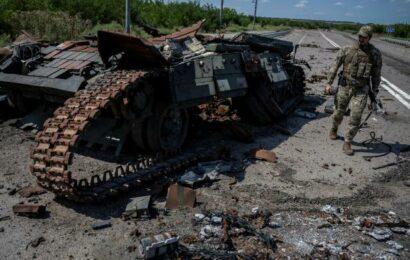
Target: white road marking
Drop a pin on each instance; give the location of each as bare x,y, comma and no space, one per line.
301,40
395,91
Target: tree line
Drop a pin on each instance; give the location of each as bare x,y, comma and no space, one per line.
61,19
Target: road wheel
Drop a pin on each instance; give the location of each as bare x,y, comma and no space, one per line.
21,104
167,128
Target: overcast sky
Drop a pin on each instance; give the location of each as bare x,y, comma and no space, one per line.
364,11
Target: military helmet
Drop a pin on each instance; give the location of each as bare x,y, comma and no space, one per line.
366,31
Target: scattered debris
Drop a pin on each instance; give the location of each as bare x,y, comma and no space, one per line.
380,234
101,225
309,45
399,230
265,155
139,207
316,78
210,231
12,191
36,242
31,190
158,245
255,210
388,165
325,166
180,196
406,183
135,233
189,239
1,229
305,114
332,210
205,171
30,210
199,216
5,218
395,245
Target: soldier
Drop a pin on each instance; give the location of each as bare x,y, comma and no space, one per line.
362,64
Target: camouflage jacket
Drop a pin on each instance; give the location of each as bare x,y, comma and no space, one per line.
359,66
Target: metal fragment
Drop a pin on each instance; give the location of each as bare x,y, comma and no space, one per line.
180,196
29,209
139,207
158,245
265,155
31,190
101,225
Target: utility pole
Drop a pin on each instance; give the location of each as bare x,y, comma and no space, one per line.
127,28
254,14
221,14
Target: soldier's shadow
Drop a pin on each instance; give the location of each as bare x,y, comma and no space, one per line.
377,148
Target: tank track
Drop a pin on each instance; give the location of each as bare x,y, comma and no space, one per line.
53,153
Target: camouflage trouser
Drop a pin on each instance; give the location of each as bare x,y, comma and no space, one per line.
358,96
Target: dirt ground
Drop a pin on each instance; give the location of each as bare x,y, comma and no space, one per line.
314,202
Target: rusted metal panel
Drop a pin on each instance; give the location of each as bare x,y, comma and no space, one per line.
183,33
81,56
71,44
72,55
65,64
82,65
59,63
180,196
52,63
79,48
90,49
29,209
88,56
137,50
73,64
52,54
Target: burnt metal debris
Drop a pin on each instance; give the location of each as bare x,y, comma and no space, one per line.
158,245
30,210
179,196
138,207
147,88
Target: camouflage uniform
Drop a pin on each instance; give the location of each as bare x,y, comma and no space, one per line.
360,67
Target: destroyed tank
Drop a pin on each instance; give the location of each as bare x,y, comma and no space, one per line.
116,85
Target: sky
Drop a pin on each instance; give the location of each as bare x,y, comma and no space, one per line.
363,11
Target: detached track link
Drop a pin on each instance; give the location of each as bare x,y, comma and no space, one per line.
55,145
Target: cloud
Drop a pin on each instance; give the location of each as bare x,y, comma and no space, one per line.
319,13
265,1
407,1
349,14
358,6
301,4
338,3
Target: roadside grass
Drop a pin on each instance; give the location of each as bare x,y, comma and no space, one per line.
52,26
4,40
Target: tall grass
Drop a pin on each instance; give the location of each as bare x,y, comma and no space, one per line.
53,26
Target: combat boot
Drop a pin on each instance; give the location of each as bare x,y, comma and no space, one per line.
333,134
347,148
